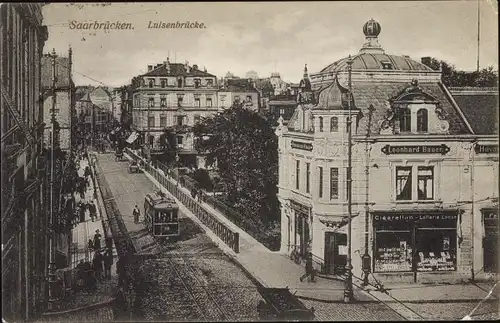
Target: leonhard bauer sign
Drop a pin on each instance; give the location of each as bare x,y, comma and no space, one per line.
420,149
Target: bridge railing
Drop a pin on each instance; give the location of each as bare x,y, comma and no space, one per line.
228,236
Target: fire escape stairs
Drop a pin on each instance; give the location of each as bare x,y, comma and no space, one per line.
17,117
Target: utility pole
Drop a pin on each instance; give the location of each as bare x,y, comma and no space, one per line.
478,32
348,292
52,241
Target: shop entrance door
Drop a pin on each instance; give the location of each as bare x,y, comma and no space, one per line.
335,259
301,232
490,241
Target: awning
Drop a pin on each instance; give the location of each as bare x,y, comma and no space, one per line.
133,137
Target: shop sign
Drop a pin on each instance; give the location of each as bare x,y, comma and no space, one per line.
415,217
302,145
486,149
299,207
421,149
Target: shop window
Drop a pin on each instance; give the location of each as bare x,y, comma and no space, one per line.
404,120
308,177
425,178
334,124
320,176
403,183
422,120
490,240
297,174
320,124
422,242
334,183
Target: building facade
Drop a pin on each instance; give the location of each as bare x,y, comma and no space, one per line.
420,174
64,89
240,91
24,221
172,96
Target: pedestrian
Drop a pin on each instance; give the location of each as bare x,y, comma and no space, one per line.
97,240
136,213
93,210
309,269
82,212
90,244
121,271
97,264
108,262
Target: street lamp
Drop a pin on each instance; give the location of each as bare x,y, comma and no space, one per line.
348,292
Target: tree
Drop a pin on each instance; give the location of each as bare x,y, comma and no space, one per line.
203,178
245,148
168,140
451,77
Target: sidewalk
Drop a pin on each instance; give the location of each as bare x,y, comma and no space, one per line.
93,305
273,269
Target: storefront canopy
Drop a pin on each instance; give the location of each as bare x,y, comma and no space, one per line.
133,137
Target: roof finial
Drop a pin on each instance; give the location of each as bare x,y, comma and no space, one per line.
305,71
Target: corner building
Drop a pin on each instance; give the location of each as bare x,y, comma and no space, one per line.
417,205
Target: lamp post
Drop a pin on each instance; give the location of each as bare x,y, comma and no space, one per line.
348,292
52,240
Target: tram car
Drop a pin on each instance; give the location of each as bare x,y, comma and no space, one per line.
161,215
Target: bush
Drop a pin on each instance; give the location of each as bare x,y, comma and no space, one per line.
203,179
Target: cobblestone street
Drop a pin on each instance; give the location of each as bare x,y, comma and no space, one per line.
190,278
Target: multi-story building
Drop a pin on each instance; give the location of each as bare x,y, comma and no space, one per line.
422,175
172,96
238,91
24,221
64,112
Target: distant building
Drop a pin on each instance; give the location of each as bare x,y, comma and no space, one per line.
252,75
240,91
172,96
64,92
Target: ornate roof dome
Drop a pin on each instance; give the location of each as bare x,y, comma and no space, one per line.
305,83
371,28
372,56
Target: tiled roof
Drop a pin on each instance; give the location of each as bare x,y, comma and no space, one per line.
480,109
264,85
378,94
176,69
62,74
368,61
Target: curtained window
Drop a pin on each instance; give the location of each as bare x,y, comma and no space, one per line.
403,183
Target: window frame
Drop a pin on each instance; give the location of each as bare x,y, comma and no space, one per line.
334,121
422,120
409,181
320,180
297,174
308,177
320,124
334,183
415,178
405,117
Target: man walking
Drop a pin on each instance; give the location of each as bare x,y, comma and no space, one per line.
309,269
93,210
136,213
97,240
97,264
108,262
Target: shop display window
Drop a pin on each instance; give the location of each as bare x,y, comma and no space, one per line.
436,249
393,252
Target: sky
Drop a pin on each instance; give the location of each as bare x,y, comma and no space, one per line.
266,37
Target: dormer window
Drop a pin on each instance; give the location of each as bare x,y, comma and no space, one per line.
179,82
386,65
334,124
210,82
422,120
405,120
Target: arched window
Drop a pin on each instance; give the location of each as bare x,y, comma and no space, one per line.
334,124
320,124
422,125
405,120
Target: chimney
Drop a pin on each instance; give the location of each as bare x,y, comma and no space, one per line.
150,68
195,67
426,61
